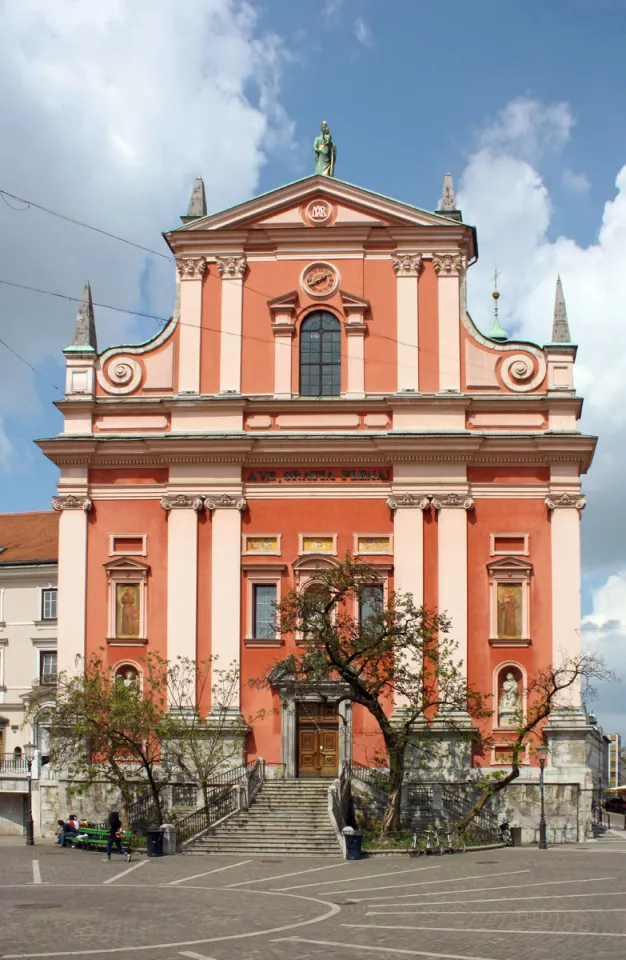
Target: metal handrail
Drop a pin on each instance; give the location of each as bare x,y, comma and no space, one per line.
222,802
370,775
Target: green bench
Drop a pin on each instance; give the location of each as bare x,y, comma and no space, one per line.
95,838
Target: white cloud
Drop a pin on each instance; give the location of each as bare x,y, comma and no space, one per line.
528,128
576,182
331,9
363,33
109,111
604,632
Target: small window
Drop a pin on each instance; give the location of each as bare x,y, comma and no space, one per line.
49,604
48,666
264,611
371,600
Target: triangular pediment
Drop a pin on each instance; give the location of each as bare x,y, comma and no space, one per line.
510,563
126,563
294,205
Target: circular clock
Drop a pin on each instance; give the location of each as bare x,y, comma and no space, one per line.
320,279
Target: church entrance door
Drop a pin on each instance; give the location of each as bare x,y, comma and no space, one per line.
318,739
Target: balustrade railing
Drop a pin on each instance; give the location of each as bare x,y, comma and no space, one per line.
9,763
373,776
143,813
222,802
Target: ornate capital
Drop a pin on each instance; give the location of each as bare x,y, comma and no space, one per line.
406,264
565,500
70,502
405,501
182,501
191,268
231,268
226,502
447,265
452,501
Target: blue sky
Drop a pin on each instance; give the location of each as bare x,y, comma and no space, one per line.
110,112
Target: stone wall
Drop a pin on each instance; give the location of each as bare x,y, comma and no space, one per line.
11,814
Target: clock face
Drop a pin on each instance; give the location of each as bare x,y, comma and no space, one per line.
320,279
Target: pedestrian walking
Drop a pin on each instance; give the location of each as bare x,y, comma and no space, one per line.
115,837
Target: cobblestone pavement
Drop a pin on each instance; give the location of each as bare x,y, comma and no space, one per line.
566,902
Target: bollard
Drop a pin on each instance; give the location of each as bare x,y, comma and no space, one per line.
169,839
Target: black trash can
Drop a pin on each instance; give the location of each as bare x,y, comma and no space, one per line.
353,845
155,843
516,836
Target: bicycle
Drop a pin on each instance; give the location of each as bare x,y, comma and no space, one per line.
455,842
414,848
434,846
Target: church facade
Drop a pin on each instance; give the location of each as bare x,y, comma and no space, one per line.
320,390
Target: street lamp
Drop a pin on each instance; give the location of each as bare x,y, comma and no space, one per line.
29,753
542,754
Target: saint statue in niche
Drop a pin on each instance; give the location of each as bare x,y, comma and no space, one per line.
510,611
128,677
128,618
509,702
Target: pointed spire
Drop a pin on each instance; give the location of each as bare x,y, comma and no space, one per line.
85,327
560,326
447,203
496,332
197,204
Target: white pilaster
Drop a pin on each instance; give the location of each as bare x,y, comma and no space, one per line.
226,581
565,543
355,308
71,617
452,566
408,549
407,267
450,270
182,577
190,272
232,270
283,310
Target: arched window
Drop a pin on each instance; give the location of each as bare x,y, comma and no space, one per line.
320,355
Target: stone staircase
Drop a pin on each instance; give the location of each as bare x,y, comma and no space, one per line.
287,817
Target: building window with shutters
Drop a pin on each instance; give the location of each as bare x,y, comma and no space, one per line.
320,355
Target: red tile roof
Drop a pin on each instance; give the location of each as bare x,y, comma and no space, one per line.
29,537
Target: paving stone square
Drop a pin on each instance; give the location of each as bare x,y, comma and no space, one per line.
566,902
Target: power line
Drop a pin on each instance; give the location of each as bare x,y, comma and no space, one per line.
34,369
65,296
78,223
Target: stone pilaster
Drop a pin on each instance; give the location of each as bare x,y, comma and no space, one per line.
232,271
191,272
452,564
407,267
72,584
450,270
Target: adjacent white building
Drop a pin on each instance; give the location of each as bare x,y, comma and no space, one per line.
28,649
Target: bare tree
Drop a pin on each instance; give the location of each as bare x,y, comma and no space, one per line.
380,654
547,691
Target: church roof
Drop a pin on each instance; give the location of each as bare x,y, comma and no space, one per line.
27,538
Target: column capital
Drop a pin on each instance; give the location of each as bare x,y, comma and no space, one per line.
403,501
452,501
556,502
71,502
191,268
182,501
232,268
448,265
406,264
226,501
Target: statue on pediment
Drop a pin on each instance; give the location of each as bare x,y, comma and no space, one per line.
325,152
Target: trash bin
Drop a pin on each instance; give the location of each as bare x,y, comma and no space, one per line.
516,836
155,843
353,844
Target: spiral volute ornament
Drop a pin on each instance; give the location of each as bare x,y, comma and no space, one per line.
121,375
522,372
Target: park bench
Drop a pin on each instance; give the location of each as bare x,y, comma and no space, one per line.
89,838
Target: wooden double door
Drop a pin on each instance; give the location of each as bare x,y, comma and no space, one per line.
318,740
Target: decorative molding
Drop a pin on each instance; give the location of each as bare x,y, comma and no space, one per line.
452,501
565,500
70,502
122,375
406,264
232,268
191,268
226,502
520,374
448,265
408,500
283,311
182,501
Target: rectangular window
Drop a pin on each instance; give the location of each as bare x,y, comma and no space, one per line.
264,611
371,601
509,544
49,604
127,544
48,666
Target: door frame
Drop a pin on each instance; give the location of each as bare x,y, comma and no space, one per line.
289,727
